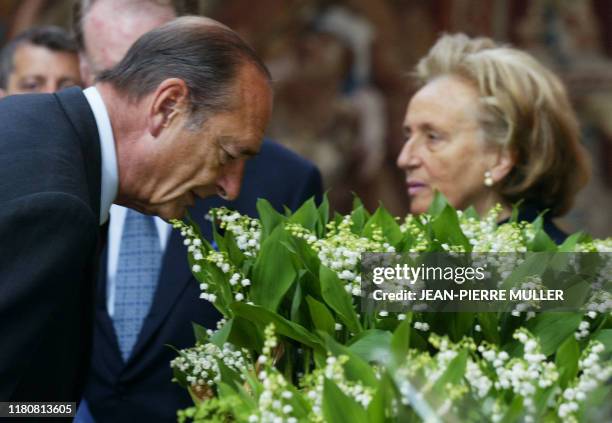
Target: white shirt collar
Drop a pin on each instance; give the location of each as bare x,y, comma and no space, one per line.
110,173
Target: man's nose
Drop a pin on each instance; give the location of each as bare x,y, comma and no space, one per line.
230,181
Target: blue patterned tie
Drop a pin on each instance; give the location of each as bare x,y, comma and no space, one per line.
137,272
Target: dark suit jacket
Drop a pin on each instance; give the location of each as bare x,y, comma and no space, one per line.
49,227
141,389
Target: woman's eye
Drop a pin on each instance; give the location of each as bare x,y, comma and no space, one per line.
434,140
407,136
433,136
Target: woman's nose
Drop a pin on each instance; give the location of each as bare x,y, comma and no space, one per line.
409,157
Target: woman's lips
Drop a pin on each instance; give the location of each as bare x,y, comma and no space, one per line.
414,188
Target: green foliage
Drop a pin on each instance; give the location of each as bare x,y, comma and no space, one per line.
338,299
273,272
566,360
287,285
340,408
553,329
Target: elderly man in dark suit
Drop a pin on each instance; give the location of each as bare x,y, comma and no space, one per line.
131,379
173,121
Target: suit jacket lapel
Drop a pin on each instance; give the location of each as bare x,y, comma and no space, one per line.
79,113
104,323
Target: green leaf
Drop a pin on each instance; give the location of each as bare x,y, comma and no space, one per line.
597,407
373,346
541,399
569,245
453,374
296,303
323,216
488,324
245,334
516,211
263,317
247,399
400,342
336,297
273,272
542,242
553,328
566,360
221,336
307,215
355,368
320,359
605,337
269,218
340,408
306,257
446,228
322,319
301,407
456,325
534,264
199,333
437,205
356,202
359,216
471,212
217,237
228,375
382,400
235,255
180,378
382,220
515,411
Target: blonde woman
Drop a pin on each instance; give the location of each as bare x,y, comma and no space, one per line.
490,125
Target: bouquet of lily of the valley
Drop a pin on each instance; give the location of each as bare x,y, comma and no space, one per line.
295,345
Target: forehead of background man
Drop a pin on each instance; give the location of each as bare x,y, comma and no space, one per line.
41,59
108,28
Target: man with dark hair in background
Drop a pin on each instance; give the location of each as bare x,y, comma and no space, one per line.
134,383
39,60
145,136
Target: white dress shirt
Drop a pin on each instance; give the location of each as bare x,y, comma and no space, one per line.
110,173
108,193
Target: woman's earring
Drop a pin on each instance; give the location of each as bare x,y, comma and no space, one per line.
488,179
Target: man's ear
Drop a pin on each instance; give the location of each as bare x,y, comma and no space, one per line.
504,164
169,100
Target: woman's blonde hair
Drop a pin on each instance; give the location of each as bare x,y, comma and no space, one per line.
525,109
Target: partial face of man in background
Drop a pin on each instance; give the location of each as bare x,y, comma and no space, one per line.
40,60
105,36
